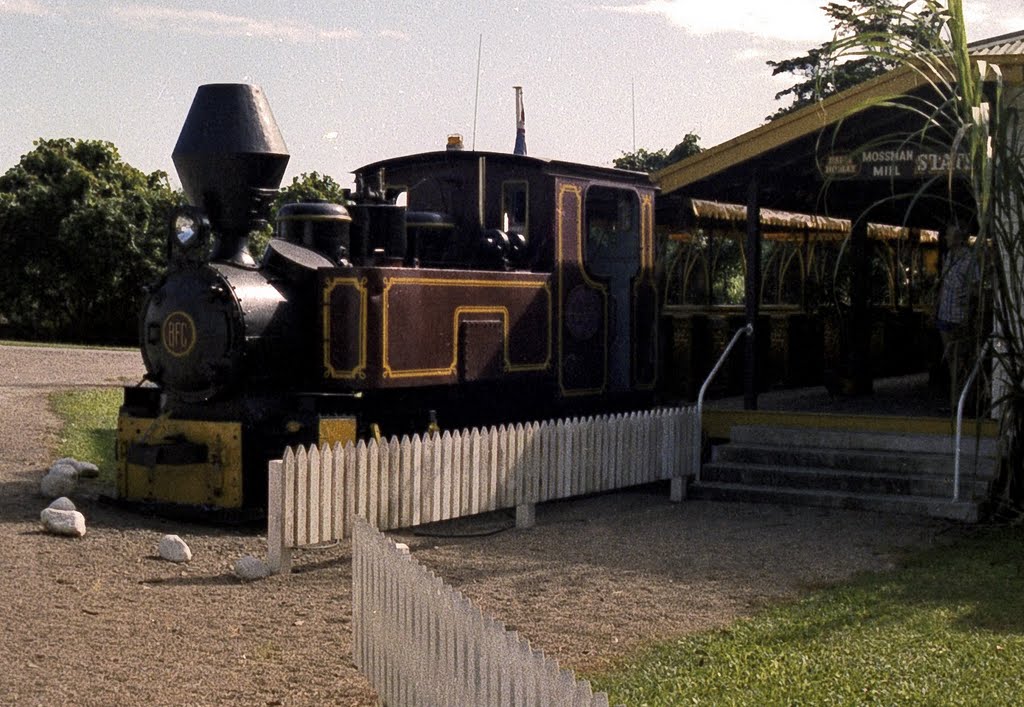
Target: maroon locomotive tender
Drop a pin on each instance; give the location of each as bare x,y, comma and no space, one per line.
455,288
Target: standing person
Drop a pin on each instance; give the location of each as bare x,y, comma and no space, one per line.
954,316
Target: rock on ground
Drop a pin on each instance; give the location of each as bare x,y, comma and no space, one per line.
60,480
86,470
70,523
174,549
63,504
250,568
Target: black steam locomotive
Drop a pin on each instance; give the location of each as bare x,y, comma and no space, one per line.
455,288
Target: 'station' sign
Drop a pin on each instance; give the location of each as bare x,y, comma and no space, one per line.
901,163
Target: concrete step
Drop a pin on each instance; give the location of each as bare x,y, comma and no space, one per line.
842,480
923,463
863,440
925,506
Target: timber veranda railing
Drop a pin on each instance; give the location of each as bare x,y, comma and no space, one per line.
420,642
314,494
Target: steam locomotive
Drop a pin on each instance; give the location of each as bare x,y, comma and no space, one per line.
455,288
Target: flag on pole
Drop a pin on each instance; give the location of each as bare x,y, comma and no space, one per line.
520,148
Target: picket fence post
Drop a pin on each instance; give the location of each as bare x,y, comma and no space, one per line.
279,554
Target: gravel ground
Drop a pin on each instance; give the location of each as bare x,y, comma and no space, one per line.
102,620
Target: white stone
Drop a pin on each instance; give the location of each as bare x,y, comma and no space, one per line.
86,470
63,462
59,481
70,523
63,504
174,549
250,568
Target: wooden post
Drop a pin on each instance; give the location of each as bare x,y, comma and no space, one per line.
804,271
752,293
526,515
860,314
279,554
913,247
677,489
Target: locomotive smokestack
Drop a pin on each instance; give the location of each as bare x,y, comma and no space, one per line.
230,157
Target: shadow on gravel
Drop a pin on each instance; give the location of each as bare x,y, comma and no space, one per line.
20,499
41,531
218,580
327,563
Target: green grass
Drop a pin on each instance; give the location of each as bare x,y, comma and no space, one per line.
947,628
89,425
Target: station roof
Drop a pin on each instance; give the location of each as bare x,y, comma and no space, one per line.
783,225
785,153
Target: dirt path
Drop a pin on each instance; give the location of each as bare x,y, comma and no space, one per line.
101,620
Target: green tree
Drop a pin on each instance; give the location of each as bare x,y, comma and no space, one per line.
641,160
646,161
81,234
311,186
879,25
308,186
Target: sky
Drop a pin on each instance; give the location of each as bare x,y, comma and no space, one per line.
357,81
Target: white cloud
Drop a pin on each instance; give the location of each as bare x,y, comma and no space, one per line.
24,7
394,34
800,20
344,33
991,19
219,24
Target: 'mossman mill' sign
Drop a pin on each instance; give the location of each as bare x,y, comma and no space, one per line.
899,163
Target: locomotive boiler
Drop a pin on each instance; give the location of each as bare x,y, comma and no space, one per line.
454,288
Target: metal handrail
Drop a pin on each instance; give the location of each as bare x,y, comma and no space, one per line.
745,331
960,417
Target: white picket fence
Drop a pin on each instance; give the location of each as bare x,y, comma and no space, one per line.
314,494
420,642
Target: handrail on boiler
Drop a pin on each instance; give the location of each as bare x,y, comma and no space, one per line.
960,417
745,331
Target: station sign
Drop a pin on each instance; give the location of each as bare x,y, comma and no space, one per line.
908,162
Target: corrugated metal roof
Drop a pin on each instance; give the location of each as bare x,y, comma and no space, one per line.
1005,45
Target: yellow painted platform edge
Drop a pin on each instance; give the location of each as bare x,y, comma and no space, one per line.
718,423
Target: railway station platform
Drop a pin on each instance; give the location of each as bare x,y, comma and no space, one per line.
898,403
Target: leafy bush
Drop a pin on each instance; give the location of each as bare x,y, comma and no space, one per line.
81,234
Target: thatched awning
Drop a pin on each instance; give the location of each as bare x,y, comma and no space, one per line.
785,225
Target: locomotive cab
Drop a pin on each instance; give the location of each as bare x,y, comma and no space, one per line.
539,274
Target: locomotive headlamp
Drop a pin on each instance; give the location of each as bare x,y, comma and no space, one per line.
190,233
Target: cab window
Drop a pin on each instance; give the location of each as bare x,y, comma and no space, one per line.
612,224
515,210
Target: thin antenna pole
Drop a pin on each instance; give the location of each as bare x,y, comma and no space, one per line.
476,101
632,90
